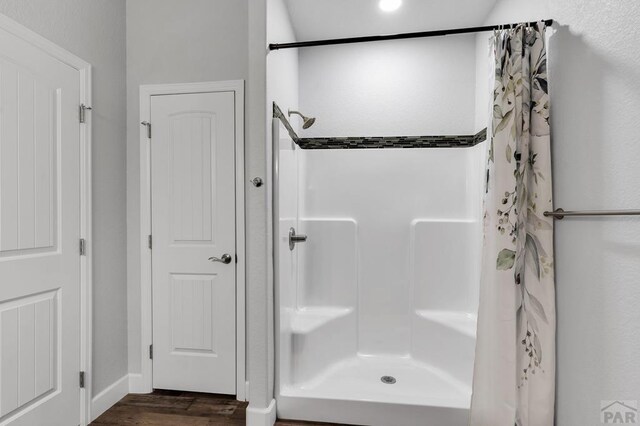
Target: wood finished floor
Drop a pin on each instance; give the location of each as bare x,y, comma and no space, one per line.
172,408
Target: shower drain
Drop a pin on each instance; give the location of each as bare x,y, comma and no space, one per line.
388,380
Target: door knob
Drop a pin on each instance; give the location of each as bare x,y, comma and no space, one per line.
226,259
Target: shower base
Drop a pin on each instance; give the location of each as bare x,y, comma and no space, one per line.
352,391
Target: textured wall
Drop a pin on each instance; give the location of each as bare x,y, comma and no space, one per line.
172,41
95,31
595,107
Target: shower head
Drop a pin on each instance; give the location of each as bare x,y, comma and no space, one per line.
306,121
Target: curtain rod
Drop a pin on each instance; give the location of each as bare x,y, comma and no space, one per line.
401,36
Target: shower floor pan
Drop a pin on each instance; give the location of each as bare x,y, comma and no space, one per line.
353,392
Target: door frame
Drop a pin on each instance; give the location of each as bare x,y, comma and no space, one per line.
86,282
144,381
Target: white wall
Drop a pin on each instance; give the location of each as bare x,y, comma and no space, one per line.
402,87
260,285
172,41
595,107
273,78
95,31
484,80
282,65
282,88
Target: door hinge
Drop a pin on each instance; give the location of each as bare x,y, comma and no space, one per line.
83,112
148,126
83,247
150,242
82,379
150,351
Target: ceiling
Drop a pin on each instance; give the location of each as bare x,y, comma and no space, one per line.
318,19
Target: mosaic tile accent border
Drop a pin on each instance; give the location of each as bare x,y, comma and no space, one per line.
380,142
393,142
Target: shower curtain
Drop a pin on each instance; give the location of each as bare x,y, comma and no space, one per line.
514,374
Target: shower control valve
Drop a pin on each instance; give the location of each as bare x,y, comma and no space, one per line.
295,238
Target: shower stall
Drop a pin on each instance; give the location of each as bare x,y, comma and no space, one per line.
376,308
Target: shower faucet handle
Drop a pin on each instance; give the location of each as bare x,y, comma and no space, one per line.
295,238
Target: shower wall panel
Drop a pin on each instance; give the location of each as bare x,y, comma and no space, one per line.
287,267
443,255
385,192
328,264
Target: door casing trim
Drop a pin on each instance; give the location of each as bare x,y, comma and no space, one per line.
86,283
143,382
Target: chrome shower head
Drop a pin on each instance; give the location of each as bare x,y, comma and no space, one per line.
306,121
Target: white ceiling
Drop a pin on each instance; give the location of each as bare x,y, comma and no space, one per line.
318,19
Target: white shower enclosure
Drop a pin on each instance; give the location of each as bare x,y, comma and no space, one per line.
376,310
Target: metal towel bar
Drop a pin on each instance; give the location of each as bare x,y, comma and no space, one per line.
561,214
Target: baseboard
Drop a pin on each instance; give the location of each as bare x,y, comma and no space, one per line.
244,396
262,416
138,385
108,397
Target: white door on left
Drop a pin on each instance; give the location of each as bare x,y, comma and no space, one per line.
39,237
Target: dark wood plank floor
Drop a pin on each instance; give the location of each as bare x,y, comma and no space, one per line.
171,408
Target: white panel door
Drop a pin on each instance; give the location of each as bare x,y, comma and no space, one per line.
193,220
39,235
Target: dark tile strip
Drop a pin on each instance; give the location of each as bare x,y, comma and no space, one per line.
393,142
481,136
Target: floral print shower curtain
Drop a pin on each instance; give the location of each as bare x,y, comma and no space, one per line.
514,374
